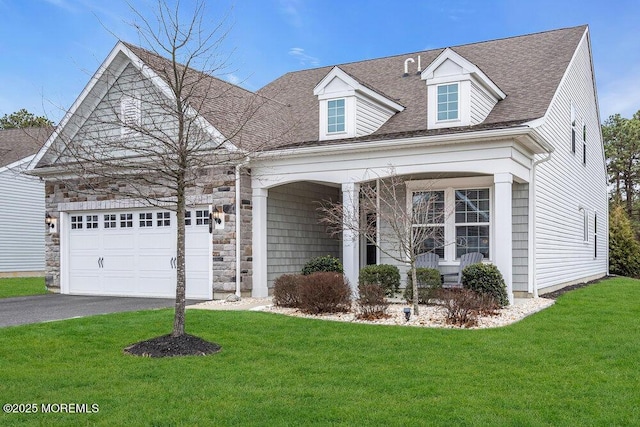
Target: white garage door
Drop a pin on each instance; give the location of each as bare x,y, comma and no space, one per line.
133,253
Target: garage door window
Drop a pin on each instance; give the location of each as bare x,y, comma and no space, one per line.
110,221
202,217
92,221
164,219
146,219
126,220
76,222
187,218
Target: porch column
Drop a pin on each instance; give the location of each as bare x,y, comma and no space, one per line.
350,237
259,287
503,229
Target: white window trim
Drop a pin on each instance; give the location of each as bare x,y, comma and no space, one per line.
344,106
457,119
449,186
585,224
594,252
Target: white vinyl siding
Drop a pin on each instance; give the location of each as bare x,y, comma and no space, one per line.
369,116
481,104
294,235
22,229
564,184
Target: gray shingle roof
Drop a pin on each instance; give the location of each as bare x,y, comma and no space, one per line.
285,112
249,120
527,68
16,144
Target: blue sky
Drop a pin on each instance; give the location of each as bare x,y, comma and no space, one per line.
50,48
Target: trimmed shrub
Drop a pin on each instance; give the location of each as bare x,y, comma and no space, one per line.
324,292
429,283
461,306
387,276
372,303
322,263
286,292
486,279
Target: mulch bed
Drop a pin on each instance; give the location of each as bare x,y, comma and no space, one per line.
168,346
556,294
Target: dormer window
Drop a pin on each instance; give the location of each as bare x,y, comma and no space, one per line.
458,92
448,102
350,109
335,116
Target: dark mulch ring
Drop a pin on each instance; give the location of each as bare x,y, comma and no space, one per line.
556,294
168,346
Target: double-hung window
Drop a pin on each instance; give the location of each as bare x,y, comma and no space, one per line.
428,221
335,116
448,102
472,221
454,220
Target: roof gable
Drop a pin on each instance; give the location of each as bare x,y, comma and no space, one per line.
339,81
450,63
120,57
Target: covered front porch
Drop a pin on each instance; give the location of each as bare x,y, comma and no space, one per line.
287,189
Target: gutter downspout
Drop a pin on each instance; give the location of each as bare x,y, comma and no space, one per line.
532,222
239,224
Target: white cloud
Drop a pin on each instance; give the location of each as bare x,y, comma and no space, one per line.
290,8
303,58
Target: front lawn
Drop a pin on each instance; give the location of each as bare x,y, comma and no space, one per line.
575,363
21,286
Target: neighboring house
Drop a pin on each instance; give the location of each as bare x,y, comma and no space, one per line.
22,211
504,133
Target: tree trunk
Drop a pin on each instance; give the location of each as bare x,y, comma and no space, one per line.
178,320
414,280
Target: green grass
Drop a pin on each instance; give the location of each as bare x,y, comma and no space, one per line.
576,363
21,286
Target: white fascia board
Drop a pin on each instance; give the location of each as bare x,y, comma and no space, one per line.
17,163
78,102
147,72
467,66
357,86
164,87
524,135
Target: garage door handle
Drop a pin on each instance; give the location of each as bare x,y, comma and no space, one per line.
100,262
173,262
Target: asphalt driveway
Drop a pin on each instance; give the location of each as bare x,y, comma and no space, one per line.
45,308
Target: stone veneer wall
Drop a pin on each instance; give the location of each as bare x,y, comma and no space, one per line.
217,188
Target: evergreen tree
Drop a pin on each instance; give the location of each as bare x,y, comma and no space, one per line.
624,250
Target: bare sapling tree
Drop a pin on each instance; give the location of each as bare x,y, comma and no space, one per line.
400,228
154,128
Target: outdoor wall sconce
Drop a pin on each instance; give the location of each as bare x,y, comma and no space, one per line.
216,219
51,223
407,313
